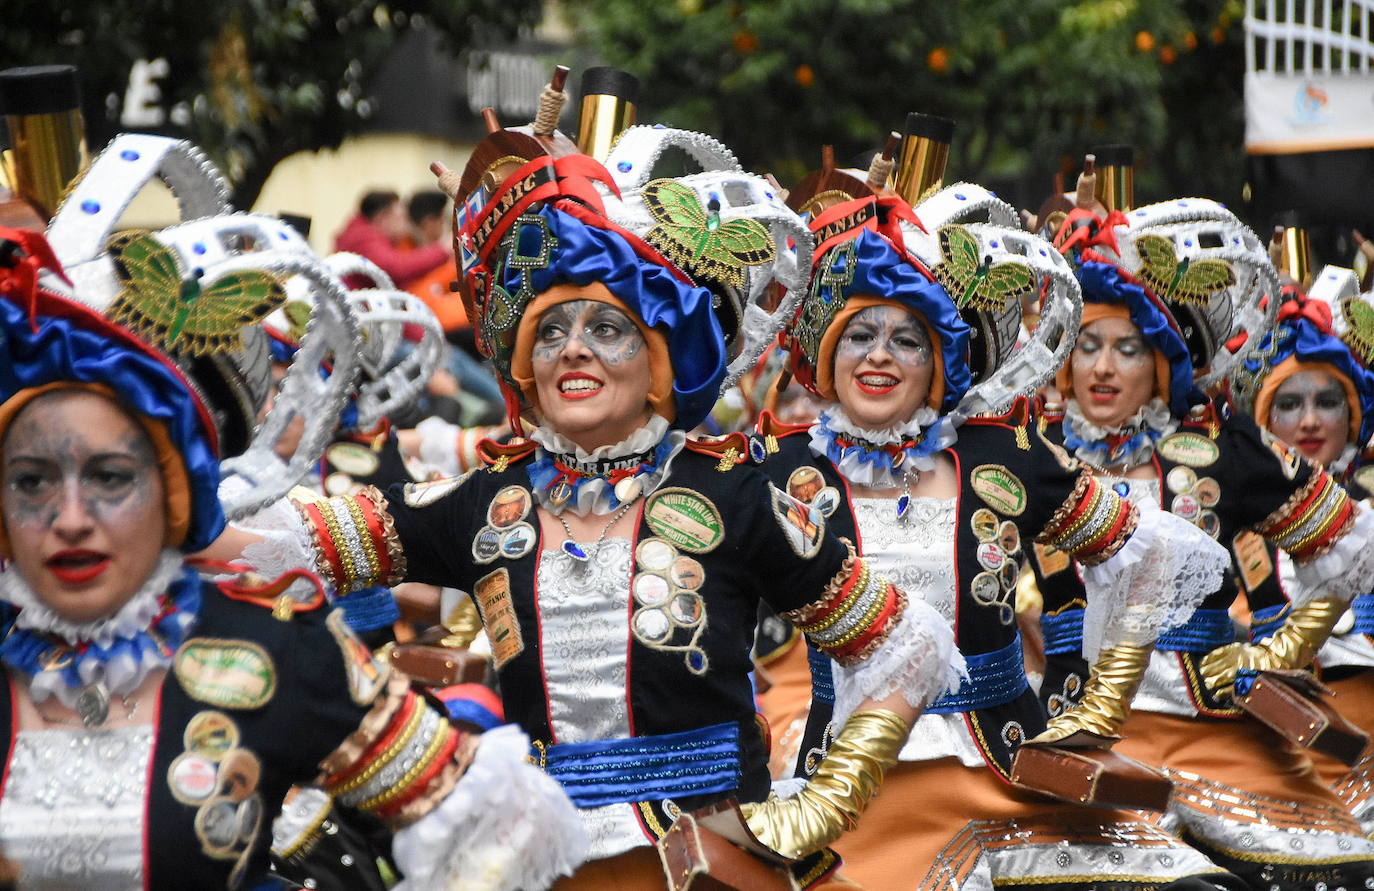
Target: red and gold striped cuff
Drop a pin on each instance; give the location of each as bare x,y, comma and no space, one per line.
1092,524
1312,520
355,540
414,749
856,614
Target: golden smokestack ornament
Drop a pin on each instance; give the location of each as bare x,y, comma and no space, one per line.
1115,186
608,109
1296,259
42,109
925,152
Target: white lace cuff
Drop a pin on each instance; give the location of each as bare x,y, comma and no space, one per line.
439,445
1345,571
918,658
1156,581
506,825
286,544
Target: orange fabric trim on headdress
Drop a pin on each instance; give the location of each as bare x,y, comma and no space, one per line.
1281,372
660,366
825,354
1094,312
176,485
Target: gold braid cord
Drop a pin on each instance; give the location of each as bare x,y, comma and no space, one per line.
831,802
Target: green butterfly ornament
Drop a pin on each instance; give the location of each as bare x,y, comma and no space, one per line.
1184,279
695,239
973,281
1359,321
176,311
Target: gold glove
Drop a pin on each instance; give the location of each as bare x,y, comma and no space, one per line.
1293,646
1095,719
833,798
463,624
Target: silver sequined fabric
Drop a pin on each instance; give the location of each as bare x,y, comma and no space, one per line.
72,811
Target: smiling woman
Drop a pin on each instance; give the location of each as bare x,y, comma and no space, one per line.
622,613
883,366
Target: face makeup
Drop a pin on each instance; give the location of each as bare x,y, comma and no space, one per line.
883,367
1113,372
1310,412
83,503
591,373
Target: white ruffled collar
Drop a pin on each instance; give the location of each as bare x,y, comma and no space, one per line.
1152,422
131,618
838,421
597,494
642,440
866,457
1342,464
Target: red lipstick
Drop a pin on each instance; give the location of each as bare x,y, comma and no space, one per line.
76,567
581,392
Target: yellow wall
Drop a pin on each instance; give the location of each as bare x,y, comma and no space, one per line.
326,186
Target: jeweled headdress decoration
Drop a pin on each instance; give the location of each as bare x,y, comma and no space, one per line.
198,291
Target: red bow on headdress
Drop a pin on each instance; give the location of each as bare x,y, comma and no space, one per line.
1084,229
1297,305
19,272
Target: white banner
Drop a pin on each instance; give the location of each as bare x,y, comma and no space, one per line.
1309,112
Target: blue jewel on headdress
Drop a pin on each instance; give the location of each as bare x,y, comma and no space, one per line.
129,155
575,551
757,450
90,206
624,167
1121,489
903,505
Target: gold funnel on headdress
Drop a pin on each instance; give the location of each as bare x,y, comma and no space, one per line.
42,109
608,109
925,152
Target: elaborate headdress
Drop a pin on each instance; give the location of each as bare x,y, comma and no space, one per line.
1194,279
1330,328
197,291
959,260
689,256
392,372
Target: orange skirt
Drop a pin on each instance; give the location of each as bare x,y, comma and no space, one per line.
933,821
641,868
1243,754
637,868
786,705
1355,699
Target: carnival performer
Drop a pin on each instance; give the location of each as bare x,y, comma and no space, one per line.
617,567
950,505
1172,293
154,719
1309,384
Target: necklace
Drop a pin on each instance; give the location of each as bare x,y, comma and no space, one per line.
909,476
92,706
575,550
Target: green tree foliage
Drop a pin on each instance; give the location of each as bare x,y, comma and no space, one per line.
254,80
1030,82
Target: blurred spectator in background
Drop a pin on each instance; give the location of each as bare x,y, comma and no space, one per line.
379,233
430,221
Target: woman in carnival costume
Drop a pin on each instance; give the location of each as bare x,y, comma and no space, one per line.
925,456
1172,293
617,567
155,718
1309,384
